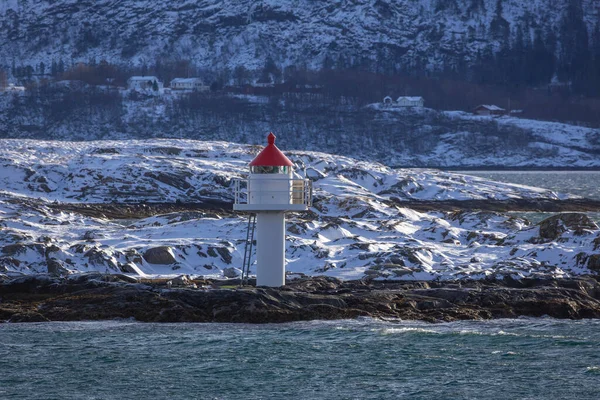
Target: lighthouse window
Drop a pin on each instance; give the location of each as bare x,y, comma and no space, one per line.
269,170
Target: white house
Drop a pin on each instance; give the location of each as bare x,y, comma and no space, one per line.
487,109
189,84
13,88
144,83
406,101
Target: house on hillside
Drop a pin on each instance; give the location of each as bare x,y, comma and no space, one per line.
11,87
189,84
486,109
410,101
144,83
387,100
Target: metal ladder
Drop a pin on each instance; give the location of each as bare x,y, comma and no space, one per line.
248,248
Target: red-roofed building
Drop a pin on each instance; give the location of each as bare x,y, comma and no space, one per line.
486,109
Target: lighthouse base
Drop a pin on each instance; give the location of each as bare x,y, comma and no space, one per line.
270,249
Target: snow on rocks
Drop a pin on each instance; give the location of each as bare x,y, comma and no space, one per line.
358,227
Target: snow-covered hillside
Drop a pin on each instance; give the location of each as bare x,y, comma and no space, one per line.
215,34
358,227
188,170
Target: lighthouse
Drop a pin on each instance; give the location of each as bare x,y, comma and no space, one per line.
269,192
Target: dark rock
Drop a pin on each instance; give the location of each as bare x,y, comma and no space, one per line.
56,267
79,248
98,258
294,229
177,181
551,228
51,249
6,262
160,255
90,236
360,246
596,242
182,280
167,150
594,262
231,272
105,150
30,316
46,188
451,241
125,278
128,268
34,298
14,249
225,254
86,277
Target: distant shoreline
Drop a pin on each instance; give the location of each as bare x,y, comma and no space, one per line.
501,168
513,205
143,210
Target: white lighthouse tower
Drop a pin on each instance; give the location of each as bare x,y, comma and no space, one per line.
269,192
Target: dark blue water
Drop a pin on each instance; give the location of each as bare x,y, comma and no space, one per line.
364,359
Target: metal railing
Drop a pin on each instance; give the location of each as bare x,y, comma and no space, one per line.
300,192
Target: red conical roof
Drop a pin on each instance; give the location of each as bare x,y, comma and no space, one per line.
271,156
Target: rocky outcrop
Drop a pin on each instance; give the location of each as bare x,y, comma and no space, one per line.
160,255
594,262
231,272
551,228
99,297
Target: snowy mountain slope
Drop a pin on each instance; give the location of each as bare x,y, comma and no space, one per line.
216,34
353,231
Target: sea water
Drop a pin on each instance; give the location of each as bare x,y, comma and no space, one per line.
350,359
580,183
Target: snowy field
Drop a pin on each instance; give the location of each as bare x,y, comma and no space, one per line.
357,228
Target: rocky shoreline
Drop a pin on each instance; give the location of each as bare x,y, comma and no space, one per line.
38,298
223,208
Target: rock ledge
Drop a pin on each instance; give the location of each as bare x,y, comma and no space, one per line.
101,297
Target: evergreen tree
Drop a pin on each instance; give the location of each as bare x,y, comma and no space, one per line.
499,27
270,72
28,71
595,65
542,60
61,67
475,7
517,64
574,57
240,75
449,6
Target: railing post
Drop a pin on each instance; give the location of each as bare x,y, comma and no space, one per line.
236,196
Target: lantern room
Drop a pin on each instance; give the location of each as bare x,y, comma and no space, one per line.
271,185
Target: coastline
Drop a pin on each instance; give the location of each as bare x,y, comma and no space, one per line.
146,209
94,296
